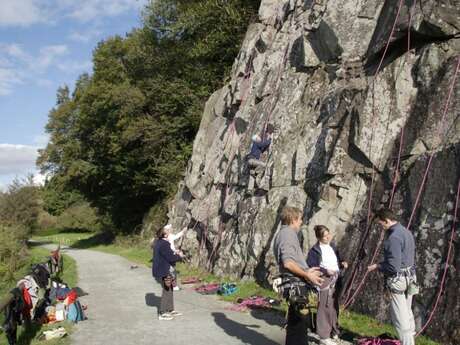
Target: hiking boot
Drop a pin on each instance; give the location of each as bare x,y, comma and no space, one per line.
327,341
175,313
165,317
335,337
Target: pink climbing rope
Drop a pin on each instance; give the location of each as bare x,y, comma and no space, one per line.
439,135
349,301
446,266
371,191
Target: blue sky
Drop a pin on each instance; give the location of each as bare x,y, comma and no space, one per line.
45,44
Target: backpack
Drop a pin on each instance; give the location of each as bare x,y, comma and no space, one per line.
378,341
41,275
227,289
75,312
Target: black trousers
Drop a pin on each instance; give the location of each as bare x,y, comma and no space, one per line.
167,296
296,330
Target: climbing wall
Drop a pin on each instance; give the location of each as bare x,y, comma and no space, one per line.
364,98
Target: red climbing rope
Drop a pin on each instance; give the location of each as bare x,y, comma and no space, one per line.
446,266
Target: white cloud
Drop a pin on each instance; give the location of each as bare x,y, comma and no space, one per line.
48,55
85,37
39,179
9,77
18,65
21,12
46,83
41,140
87,10
75,66
17,159
29,12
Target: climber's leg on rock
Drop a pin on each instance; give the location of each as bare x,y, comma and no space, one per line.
256,172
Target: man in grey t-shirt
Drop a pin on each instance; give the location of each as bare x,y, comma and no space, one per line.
291,260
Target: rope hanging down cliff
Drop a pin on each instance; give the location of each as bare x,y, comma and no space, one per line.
373,122
439,136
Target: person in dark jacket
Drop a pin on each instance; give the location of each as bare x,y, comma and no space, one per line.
163,259
324,255
398,268
255,164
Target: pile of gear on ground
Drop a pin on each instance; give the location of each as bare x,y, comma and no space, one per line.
41,297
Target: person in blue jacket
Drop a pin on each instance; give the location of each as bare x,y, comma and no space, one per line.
163,259
258,147
324,255
398,268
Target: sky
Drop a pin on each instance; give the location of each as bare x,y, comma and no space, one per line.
45,44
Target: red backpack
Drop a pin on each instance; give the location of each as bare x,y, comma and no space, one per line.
378,341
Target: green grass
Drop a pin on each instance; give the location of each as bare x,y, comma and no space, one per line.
29,336
364,326
353,323
130,249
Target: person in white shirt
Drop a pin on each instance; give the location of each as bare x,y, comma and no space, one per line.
324,255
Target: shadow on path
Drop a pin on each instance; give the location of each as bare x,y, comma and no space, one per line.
272,317
152,300
241,331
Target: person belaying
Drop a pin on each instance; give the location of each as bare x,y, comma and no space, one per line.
324,254
295,272
163,259
256,165
398,268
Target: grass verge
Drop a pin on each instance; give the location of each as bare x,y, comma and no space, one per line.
356,324
30,335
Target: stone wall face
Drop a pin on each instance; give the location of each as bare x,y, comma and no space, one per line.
311,68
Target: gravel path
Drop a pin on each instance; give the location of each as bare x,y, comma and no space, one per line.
122,310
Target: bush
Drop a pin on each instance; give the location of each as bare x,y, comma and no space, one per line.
79,217
13,251
20,205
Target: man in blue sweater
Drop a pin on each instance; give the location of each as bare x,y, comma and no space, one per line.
398,268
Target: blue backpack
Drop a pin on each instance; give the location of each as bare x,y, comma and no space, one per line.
75,312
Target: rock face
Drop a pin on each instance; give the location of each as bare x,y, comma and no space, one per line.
341,100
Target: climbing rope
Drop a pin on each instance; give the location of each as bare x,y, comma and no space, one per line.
446,265
422,184
371,191
440,136
218,238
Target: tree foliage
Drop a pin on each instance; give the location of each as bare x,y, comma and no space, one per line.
123,137
19,212
20,205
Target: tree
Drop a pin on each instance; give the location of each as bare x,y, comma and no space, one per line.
124,136
20,205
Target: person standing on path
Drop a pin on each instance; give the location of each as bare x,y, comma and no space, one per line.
398,268
324,254
293,267
163,259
